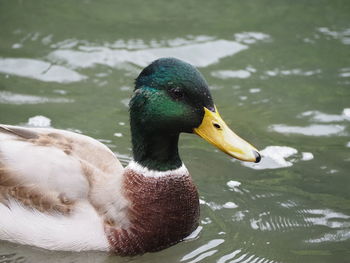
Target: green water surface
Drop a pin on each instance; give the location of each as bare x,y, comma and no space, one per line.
279,72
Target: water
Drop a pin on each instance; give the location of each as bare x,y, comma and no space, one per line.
280,75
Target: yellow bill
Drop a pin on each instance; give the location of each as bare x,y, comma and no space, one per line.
214,130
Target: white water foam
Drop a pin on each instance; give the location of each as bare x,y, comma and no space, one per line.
229,205
233,184
307,156
215,206
273,157
39,121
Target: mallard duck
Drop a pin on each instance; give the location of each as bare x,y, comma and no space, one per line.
65,191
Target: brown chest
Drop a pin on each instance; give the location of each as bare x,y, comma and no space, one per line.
163,211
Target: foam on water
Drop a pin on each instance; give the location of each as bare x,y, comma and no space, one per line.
39,121
233,184
215,206
273,157
229,205
306,156
39,70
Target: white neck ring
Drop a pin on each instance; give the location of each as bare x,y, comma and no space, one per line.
139,169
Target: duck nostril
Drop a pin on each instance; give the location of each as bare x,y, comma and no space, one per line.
217,126
257,156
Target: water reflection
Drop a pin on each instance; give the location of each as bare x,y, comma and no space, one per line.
7,97
311,130
40,70
325,117
343,35
12,253
227,74
251,37
200,54
296,72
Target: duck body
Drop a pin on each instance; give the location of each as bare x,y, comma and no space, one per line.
75,203
65,191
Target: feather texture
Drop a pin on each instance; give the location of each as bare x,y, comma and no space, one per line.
58,189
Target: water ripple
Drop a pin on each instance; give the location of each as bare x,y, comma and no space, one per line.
202,251
237,256
227,257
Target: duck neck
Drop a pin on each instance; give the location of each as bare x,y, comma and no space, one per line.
156,151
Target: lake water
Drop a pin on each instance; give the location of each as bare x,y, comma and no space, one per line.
279,72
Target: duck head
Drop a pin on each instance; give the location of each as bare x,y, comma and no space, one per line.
171,97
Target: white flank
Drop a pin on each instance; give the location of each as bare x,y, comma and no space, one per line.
81,231
139,169
56,173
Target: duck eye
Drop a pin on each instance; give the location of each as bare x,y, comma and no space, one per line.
176,93
217,126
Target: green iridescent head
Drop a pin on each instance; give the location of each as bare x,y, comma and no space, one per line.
170,97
